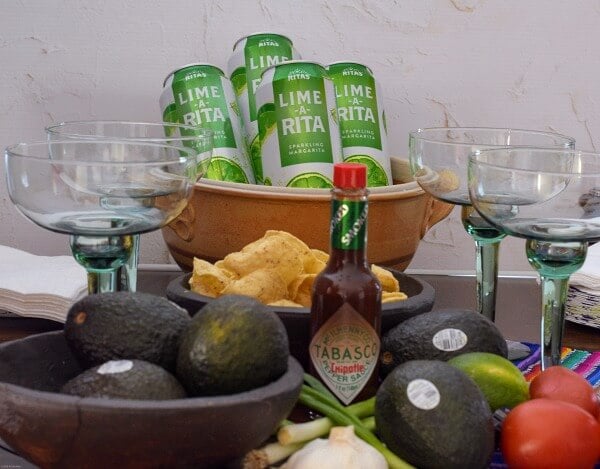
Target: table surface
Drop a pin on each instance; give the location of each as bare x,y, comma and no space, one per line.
517,310
517,316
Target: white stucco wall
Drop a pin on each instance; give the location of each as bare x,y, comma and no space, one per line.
524,64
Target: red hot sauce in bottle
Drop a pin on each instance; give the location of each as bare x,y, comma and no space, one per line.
345,316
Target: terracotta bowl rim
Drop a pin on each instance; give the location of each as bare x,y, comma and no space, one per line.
257,191
287,382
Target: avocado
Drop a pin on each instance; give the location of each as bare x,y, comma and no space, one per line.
440,335
110,326
233,344
433,416
126,379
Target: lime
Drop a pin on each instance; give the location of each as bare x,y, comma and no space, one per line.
267,119
235,108
375,173
202,167
310,180
223,169
334,115
256,159
500,381
238,80
267,124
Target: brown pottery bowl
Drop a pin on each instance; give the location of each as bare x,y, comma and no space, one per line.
421,297
56,430
223,217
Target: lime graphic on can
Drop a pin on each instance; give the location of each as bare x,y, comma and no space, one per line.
362,119
266,126
223,169
375,173
312,180
201,95
299,138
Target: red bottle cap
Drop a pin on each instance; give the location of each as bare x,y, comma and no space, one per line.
350,175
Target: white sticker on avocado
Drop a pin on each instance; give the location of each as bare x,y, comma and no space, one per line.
115,366
423,394
449,340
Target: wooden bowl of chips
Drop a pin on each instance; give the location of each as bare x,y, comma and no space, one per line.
420,299
222,217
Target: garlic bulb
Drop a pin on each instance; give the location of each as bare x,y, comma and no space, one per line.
342,449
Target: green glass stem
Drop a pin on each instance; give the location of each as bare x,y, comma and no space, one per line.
487,244
101,256
487,277
100,282
554,296
127,273
555,262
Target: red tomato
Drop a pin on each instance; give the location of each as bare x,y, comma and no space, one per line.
550,434
558,382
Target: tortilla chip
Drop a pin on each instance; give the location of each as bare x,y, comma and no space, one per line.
300,290
207,279
388,282
389,297
310,262
269,252
286,303
266,285
321,255
230,273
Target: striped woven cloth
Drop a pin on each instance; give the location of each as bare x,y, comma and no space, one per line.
585,363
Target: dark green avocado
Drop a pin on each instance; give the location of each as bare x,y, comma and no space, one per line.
440,335
111,326
126,379
233,344
434,416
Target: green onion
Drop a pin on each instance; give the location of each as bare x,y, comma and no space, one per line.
270,454
312,429
337,413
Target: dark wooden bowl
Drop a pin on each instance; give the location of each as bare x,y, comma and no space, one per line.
421,296
55,430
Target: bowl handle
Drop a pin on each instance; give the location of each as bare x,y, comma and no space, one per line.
436,211
183,225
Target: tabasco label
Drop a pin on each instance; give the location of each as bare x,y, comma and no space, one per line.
344,353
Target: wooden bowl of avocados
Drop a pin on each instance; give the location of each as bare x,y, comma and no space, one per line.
55,430
421,296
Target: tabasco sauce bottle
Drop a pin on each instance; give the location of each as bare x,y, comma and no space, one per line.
346,296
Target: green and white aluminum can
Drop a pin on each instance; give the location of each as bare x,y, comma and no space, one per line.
298,131
361,116
252,55
201,95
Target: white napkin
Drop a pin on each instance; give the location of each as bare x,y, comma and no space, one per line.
39,286
588,277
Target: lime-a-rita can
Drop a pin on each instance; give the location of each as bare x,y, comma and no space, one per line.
361,116
251,56
201,95
298,131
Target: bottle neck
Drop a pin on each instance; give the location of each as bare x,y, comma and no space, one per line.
348,227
